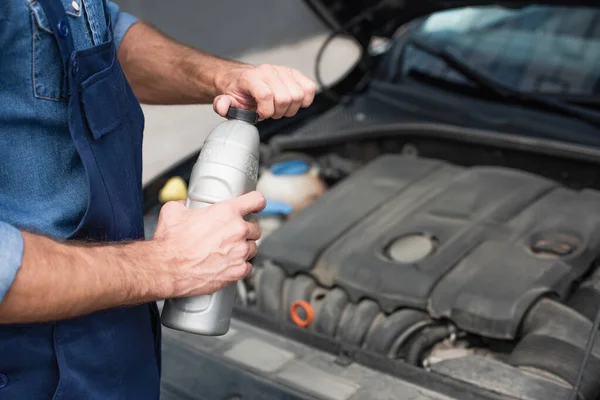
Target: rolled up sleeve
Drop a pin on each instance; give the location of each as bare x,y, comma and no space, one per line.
11,255
121,22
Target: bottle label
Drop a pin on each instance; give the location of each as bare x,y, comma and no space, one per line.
237,157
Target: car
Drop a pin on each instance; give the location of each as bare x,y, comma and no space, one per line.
433,220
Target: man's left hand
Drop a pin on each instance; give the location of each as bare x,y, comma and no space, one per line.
273,91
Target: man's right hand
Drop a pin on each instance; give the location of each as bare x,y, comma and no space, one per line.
203,250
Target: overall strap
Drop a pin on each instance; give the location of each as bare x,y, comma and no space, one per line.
56,15
109,21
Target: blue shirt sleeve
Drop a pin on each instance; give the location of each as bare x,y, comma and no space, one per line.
11,255
121,20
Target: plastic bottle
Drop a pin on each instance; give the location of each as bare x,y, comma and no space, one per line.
227,167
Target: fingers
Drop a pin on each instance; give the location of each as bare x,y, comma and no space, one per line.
296,92
242,266
282,98
261,93
291,90
248,269
276,91
234,274
221,104
308,87
252,250
249,203
253,231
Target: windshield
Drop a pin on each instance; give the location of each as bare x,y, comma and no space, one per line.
543,50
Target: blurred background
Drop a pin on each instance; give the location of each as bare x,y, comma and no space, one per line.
281,32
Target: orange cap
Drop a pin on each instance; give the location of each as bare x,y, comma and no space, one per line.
302,323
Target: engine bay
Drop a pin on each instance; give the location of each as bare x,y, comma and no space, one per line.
477,266
425,235
475,272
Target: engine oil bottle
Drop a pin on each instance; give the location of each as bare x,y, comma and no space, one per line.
227,167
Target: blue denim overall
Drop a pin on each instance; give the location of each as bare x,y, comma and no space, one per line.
112,354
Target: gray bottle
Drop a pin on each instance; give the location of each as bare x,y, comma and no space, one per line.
227,167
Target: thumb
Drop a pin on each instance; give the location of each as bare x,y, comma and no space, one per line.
252,202
221,104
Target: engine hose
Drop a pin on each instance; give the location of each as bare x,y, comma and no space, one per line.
364,15
586,298
334,316
424,341
554,340
586,357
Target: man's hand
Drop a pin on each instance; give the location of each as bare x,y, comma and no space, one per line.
273,91
193,252
204,250
163,71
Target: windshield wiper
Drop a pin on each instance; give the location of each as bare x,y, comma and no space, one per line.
494,87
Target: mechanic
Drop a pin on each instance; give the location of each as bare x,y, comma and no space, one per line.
78,285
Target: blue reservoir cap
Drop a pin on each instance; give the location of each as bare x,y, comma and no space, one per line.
275,207
291,167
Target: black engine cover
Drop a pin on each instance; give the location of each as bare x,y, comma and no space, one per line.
502,237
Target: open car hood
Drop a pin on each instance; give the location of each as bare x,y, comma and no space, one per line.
364,19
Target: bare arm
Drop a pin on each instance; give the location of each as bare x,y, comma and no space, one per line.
161,70
59,280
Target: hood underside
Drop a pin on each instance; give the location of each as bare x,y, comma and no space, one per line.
367,18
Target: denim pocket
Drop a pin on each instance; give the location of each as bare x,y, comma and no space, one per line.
47,68
104,99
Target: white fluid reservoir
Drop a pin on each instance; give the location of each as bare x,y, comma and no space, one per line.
294,182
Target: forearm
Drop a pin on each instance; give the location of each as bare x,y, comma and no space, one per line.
59,281
163,71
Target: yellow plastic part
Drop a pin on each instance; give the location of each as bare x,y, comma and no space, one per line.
175,189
